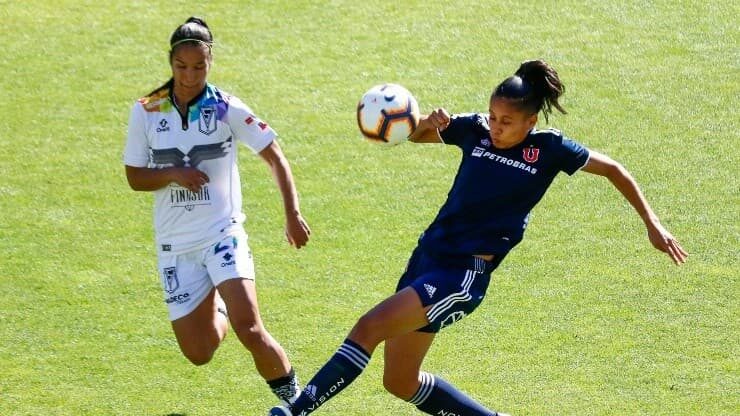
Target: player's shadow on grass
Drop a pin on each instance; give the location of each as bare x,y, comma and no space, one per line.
176,414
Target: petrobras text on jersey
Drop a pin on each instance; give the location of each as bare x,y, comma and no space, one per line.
483,153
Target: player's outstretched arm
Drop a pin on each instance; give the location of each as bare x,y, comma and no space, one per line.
429,127
660,238
296,228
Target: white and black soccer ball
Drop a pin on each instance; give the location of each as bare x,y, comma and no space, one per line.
387,114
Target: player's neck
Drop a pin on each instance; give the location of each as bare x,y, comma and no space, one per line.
182,97
181,100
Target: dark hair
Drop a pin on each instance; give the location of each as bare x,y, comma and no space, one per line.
194,30
534,87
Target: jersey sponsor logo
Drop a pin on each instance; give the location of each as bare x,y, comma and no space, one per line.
185,198
163,126
171,283
175,157
485,154
261,124
530,154
179,299
228,260
166,247
207,120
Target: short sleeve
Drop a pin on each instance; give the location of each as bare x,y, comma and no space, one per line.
462,128
247,127
574,156
455,131
136,152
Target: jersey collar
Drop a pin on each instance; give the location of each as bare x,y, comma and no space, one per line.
191,102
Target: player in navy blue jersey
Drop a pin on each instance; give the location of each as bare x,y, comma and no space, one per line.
506,167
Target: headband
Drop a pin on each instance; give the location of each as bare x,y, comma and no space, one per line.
209,44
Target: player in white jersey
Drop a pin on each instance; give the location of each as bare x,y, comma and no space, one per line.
182,145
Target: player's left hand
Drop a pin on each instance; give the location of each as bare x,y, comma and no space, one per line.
665,242
297,230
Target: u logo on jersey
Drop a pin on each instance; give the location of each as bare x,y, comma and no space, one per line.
207,120
531,154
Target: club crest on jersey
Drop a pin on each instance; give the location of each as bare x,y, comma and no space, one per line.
207,120
485,142
531,154
171,284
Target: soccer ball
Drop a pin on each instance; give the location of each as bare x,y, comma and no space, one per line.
387,114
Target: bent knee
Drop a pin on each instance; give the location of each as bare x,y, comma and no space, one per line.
368,330
199,349
198,355
403,386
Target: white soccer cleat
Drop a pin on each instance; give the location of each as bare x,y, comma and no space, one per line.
279,411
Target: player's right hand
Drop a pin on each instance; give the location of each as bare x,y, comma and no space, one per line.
190,178
439,119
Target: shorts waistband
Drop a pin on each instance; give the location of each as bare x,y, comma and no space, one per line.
469,262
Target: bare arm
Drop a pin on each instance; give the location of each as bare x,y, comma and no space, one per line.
296,228
599,164
150,179
429,127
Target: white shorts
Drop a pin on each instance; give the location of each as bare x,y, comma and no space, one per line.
187,278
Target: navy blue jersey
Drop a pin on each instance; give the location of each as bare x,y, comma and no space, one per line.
488,207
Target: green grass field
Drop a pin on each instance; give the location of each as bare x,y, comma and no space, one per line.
583,318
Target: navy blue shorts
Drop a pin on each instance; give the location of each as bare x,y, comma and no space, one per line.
453,287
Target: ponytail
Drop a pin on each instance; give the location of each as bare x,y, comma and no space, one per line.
534,87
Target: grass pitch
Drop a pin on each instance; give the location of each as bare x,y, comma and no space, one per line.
583,318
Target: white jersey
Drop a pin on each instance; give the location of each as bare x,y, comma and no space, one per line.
158,137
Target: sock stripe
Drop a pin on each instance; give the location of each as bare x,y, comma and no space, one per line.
355,352
351,360
357,355
425,389
354,355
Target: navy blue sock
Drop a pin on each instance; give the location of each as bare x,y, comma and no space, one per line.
437,397
342,368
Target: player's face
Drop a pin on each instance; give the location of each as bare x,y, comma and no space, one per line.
190,66
509,125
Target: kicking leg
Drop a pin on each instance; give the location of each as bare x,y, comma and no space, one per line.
404,355
397,315
403,378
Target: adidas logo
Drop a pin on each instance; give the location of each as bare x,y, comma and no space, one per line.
310,390
430,289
